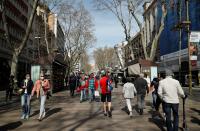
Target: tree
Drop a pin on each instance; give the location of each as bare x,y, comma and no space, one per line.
154,46
78,28
105,57
117,7
17,47
85,65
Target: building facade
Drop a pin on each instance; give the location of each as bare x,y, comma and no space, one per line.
17,14
170,49
55,27
120,52
151,26
133,54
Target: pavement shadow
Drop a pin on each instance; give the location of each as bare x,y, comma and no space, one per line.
11,126
83,121
195,120
52,111
196,110
37,112
157,120
125,109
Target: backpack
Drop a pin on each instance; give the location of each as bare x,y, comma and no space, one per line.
109,86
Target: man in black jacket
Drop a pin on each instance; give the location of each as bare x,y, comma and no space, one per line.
27,86
142,88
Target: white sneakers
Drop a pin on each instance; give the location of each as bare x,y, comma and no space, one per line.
131,114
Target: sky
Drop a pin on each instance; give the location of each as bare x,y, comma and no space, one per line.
108,30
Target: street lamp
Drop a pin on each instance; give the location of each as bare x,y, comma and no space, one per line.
188,32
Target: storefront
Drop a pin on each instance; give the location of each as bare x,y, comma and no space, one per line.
54,69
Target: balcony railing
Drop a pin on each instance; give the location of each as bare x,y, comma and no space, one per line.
16,19
16,4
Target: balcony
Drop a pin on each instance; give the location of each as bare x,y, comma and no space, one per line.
17,5
16,19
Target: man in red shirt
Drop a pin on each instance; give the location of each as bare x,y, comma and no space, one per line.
105,94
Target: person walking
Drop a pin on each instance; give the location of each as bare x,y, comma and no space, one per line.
82,87
41,87
91,87
116,80
154,88
169,89
9,89
129,92
72,84
27,86
105,94
142,89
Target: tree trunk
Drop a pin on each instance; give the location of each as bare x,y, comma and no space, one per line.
157,36
17,51
14,64
45,32
141,33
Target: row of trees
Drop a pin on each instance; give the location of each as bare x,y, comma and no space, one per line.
79,33
76,23
105,57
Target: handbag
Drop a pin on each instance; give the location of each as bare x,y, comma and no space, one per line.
19,91
78,89
96,94
109,86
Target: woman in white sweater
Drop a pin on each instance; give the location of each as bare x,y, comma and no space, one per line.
129,92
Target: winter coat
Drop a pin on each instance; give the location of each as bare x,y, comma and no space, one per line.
38,85
129,90
29,87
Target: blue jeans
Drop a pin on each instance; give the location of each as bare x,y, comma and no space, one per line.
91,94
25,103
168,107
141,101
42,105
83,95
154,96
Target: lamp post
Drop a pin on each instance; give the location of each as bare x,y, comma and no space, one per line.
180,38
188,33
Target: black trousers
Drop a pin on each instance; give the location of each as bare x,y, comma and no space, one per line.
9,94
72,88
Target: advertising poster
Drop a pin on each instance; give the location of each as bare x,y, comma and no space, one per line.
194,43
35,72
154,72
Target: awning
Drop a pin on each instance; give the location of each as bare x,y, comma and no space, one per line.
134,69
146,63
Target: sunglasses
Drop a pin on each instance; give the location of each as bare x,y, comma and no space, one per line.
41,76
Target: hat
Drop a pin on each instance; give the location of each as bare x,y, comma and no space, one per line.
103,72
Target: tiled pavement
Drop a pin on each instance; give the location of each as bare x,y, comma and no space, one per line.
68,114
